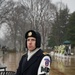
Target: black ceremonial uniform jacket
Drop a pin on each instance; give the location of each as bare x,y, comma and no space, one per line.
30,67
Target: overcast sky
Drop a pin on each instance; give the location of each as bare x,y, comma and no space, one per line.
2,30
70,4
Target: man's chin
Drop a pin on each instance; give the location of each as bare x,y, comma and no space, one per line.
31,50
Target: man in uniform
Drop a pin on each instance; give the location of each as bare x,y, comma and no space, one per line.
34,62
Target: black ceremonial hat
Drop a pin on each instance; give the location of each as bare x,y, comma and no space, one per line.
32,33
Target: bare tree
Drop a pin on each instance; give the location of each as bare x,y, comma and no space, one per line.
15,16
44,12
1,4
28,14
41,15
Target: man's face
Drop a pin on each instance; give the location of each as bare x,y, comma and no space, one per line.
31,42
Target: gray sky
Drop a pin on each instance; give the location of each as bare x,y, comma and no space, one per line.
2,30
70,4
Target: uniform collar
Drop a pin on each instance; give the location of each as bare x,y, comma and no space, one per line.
30,54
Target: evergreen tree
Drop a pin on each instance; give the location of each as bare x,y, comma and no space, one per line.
71,29
58,34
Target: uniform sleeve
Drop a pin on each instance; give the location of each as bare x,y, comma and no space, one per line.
18,72
44,66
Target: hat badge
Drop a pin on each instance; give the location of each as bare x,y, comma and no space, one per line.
30,33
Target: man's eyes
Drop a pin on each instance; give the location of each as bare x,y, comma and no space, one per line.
31,40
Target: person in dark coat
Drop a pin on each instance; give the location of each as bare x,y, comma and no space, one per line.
34,62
